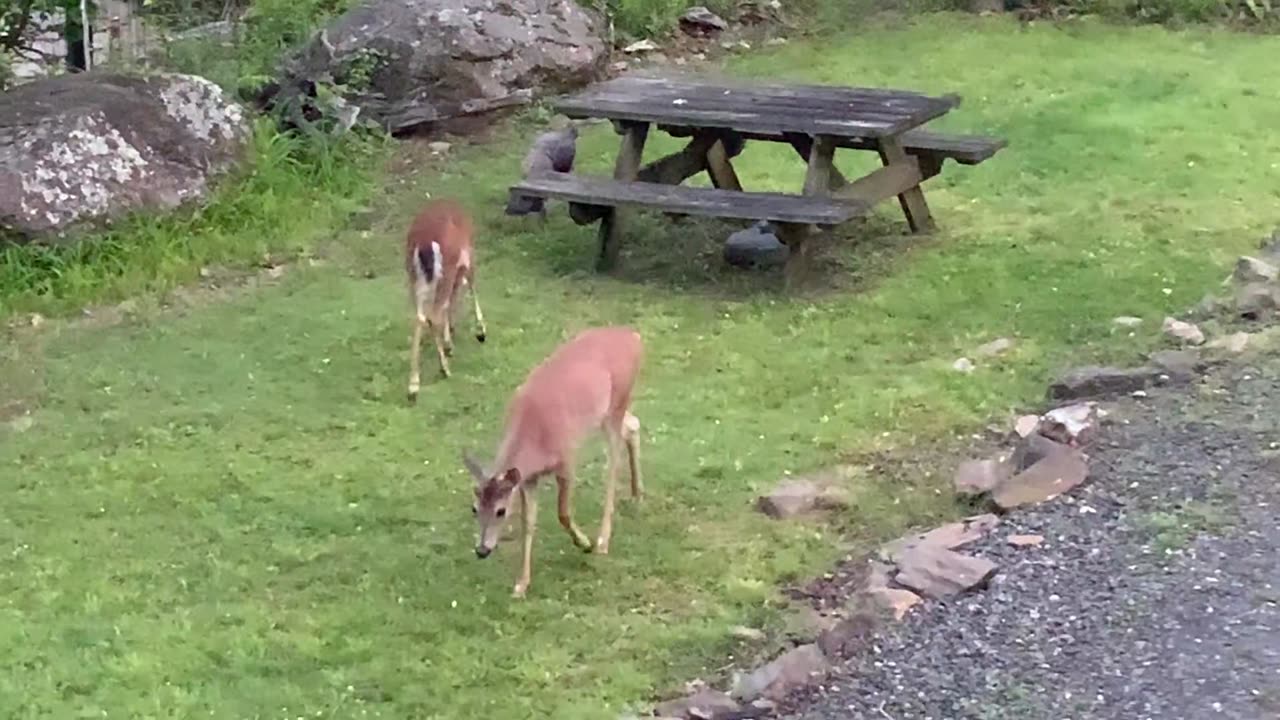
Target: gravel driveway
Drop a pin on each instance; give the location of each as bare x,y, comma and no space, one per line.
1156,593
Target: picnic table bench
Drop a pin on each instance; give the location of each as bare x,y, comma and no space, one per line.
719,119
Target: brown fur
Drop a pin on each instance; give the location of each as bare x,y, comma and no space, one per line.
586,384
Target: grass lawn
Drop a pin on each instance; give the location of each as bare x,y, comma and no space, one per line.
229,511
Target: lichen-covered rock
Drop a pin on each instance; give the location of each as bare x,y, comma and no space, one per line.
84,148
407,63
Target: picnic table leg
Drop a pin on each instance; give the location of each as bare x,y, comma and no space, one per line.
720,169
817,181
912,201
625,169
803,145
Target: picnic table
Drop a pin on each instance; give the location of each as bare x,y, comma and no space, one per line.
720,118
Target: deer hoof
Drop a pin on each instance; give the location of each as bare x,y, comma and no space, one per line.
519,591
480,337
602,546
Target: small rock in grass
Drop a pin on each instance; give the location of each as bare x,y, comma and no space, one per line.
1235,343
1025,540
996,347
1127,321
1184,331
439,147
1252,269
704,703
964,365
799,496
793,669
1048,478
938,573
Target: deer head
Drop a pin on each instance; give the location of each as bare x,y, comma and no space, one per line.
493,495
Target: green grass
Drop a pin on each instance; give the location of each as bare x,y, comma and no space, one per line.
228,512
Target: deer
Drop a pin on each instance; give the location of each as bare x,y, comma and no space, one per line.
439,259
585,384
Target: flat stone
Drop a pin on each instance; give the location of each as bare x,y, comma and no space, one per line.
1031,450
704,704
1257,300
795,668
1096,381
964,365
949,536
847,636
938,573
1251,269
895,601
1179,365
1071,424
1026,424
1184,331
999,346
975,477
1235,343
799,496
1127,321
1025,540
1048,478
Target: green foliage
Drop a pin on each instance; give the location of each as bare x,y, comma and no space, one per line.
294,193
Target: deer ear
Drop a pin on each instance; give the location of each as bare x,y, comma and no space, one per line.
473,467
510,479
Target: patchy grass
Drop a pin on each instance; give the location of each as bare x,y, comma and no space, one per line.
231,513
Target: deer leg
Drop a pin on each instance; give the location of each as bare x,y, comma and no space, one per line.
610,480
528,521
631,433
481,332
438,330
565,505
415,360
446,329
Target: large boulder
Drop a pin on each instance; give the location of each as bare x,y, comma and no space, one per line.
409,63
79,149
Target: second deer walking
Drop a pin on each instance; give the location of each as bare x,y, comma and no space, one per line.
584,385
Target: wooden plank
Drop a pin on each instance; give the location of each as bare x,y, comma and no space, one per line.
720,169
883,183
875,109
642,85
684,200
745,120
624,169
912,200
964,149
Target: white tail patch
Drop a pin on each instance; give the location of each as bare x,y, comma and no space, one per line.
427,280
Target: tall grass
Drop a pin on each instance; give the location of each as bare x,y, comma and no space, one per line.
294,193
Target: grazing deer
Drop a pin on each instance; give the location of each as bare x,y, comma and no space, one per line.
586,384
438,257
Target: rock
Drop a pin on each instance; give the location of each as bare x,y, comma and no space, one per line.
439,147
1048,478
1093,381
938,573
895,601
756,246
640,46
1179,365
996,347
88,148
949,536
408,63
964,365
975,477
1026,424
1025,540
813,493
699,21
1257,300
1031,450
1184,331
1252,269
1070,425
705,704
1234,343
847,636
793,669
747,634
1127,321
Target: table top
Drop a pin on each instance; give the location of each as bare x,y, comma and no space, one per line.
839,112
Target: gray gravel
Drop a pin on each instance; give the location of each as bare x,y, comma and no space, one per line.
1155,595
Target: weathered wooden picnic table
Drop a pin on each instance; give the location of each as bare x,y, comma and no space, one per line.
719,118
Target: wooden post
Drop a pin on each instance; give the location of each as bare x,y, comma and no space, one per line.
625,169
912,201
